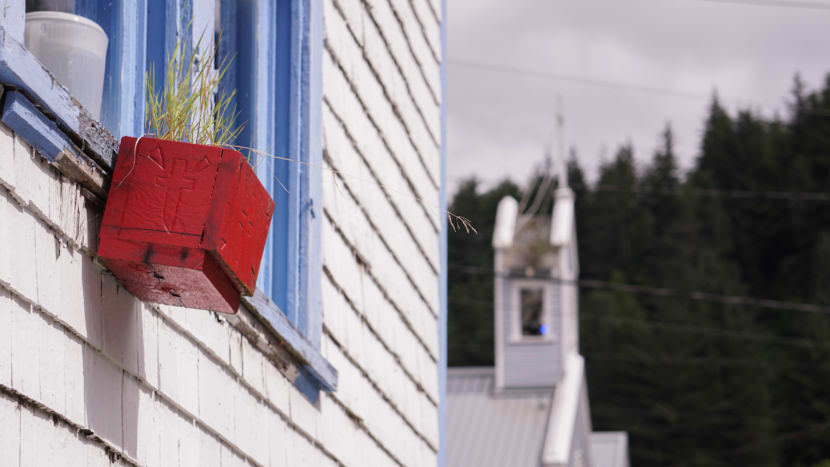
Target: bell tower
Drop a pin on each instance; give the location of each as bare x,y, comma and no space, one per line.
535,306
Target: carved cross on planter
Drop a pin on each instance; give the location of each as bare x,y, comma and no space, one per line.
184,224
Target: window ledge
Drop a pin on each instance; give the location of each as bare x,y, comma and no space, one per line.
318,368
21,71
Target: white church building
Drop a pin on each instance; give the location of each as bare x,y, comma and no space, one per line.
532,408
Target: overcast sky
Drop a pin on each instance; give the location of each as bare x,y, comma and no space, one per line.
499,121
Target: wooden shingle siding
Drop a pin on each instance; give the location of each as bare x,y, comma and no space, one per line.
100,378
381,125
197,384
387,183
371,249
398,339
430,26
385,94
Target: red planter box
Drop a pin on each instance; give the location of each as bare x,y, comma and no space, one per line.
185,224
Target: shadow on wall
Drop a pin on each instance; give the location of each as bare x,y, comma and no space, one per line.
115,330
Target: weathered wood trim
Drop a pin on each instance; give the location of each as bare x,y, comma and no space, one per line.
69,165
30,124
20,69
22,117
13,13
300,347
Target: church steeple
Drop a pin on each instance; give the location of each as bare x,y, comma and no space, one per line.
535,295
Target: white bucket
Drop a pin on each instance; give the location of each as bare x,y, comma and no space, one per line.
74,50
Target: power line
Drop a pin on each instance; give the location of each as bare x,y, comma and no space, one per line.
703,192
587,80
694,295
701,330
777,3
701,362
576,79
719,193
677,327
669,360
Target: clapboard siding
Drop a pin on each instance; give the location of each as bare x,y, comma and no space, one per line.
370,229
409,211
371,73
424,87
89,375
381,220
369,304
430,26
198,394
350,187
425,57
359,287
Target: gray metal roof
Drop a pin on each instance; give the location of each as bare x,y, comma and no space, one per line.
486,429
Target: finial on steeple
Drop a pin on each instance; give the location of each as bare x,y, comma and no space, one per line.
561,165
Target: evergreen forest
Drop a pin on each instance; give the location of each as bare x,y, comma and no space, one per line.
693,381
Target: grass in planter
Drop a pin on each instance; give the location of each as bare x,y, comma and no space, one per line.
185,109
183,112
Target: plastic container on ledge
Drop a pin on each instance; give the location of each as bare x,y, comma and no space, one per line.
74,50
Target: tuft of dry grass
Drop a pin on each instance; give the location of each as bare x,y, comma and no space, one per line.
190,107
457,223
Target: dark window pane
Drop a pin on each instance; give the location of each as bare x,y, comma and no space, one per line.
531,308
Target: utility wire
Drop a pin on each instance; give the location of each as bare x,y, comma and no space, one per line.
703,192
576,79
718,193
697,362
611,84
648,411
702,362
701,330
694,295
798,4
676,327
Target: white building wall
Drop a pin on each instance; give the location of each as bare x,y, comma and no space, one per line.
91,376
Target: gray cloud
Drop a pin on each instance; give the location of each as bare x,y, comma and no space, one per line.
499,122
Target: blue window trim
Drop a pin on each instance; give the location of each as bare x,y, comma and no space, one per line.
21,71
276,49
442,277
122,111
288,124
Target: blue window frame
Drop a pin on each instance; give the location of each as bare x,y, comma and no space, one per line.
276,47
274,50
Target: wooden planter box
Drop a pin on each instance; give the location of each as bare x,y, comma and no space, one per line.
185,224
